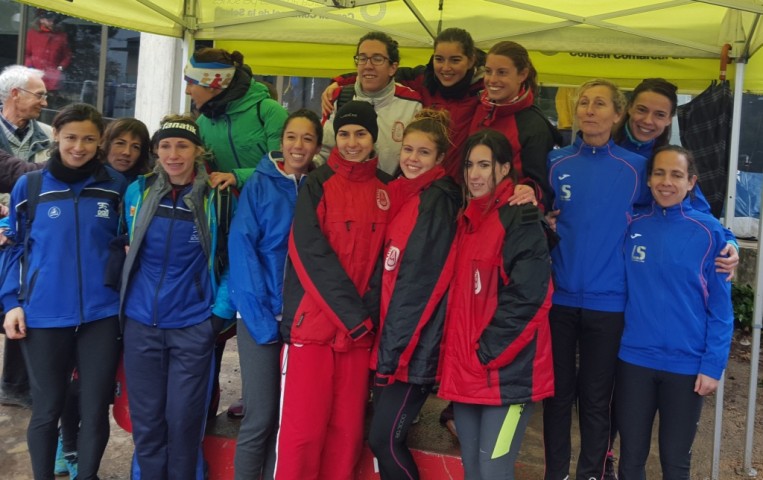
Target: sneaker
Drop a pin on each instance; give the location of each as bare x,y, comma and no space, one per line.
236,409
15,399
71,465
610,472
60,469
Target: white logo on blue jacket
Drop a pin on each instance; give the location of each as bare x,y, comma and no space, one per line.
103,210
54,212
194,235
639,253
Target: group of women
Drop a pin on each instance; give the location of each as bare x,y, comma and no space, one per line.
341,268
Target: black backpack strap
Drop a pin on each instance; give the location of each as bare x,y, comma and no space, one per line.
346,95
224,207
34,188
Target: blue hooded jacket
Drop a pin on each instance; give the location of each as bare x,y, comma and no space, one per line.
257,246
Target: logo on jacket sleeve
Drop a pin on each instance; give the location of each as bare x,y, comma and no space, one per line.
194,235
103,210
54,212
397,131
477,282
390,261
382,199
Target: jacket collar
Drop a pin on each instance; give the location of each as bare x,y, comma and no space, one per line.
478,209
354,171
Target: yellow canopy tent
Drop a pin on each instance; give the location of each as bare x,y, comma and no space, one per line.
570,40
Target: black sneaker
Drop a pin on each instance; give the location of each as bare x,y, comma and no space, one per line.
610,472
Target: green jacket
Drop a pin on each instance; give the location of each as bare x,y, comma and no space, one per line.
250,127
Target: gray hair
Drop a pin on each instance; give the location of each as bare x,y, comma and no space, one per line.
16,76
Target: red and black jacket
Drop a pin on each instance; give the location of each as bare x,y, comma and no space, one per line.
418,240
531,137
497,344
334,246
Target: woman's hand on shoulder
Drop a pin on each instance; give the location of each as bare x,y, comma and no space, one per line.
222,180
326,105
523,194
727,261
15,324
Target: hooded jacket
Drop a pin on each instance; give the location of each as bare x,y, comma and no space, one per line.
334,248
414,281
497,346
258,244
679,316
68,249
241,125
530,135
166,283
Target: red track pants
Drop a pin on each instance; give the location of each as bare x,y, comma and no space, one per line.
323,401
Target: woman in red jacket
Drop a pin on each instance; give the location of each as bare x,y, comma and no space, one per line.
330,304
425,202
497,348
507,105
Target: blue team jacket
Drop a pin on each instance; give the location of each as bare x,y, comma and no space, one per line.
596,189
170,279
68,250
679,316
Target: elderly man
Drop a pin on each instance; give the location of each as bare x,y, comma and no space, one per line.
23,96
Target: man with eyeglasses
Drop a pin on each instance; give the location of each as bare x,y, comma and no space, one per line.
377,58
23,95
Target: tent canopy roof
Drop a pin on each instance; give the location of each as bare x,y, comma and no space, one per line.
632,28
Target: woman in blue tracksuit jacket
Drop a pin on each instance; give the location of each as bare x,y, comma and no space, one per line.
678,320
58,303
596,184
174,301
257,244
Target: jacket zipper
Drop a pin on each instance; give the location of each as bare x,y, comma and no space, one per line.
230,140
79,260
166,261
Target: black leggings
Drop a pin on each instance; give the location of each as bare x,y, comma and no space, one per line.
48,353
395,408
640,394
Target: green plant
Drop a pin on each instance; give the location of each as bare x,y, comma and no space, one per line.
743,299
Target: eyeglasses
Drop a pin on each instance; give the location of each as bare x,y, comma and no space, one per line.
40,96
375,59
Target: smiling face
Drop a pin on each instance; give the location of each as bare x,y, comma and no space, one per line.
77,142
596,114
482,173
502,79
419,154
177,156
123,152
373,78
299,144
649,116
354,143
670,180
450,63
